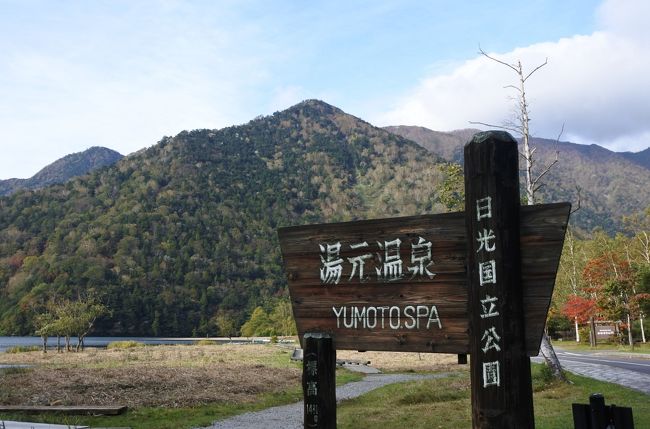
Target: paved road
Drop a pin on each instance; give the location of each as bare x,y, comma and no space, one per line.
624,361
627,369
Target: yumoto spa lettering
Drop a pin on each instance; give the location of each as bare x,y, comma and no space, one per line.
387,317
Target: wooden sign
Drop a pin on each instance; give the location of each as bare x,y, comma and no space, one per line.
319,382
478,282
400,284
502,395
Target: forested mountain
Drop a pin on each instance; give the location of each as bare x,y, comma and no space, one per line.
76,164
183,234
642,158
611,184
448,145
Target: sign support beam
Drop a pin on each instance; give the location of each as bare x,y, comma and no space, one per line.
499,367
319,381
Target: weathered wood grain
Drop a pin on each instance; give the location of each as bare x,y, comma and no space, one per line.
501,387
319,381
78,409
541,237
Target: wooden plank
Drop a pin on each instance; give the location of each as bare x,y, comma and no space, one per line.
542,235
319,382
73,409
11,424
501,386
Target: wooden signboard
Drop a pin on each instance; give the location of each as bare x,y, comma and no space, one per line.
502,394
400,284
478,282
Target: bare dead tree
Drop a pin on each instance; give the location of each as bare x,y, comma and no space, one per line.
521,126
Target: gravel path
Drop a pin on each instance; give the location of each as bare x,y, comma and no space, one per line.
290,416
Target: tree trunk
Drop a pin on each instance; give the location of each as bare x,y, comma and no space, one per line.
67,343
642,329
44,337
551,358
575,321
531,182
629,331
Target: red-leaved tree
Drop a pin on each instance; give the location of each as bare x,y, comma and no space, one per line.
580,308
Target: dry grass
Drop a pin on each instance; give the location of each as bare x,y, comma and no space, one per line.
167,356
400,362
169,376
174,376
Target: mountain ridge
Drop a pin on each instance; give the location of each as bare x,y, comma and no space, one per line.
608,185
63,169
179,233
180,236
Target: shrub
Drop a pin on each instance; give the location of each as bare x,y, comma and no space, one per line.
205,343
124,345
22,349
546,374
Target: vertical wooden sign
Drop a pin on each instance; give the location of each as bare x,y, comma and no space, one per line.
319,381
499,366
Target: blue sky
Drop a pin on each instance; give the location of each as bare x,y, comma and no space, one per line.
122,74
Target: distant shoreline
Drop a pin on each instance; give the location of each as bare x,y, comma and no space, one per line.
102,342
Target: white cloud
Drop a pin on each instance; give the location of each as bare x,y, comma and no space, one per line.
596,84
86,79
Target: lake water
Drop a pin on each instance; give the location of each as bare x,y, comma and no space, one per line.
8,342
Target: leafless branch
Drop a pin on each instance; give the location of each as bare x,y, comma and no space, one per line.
548,167
557,140
482,52
527,158
512,87
579,200
536,68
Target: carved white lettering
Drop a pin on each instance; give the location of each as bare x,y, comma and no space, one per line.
338,315
393,315
409,312
385,317
359,316
371,322
432,313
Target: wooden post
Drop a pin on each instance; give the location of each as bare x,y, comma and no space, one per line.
499,366
598,413
622,417
581,416
319,381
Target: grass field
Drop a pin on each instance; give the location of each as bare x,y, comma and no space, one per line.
191,386
445,403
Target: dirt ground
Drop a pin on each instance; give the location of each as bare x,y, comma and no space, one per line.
172,376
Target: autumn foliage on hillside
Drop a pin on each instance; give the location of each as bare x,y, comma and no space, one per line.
180,238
